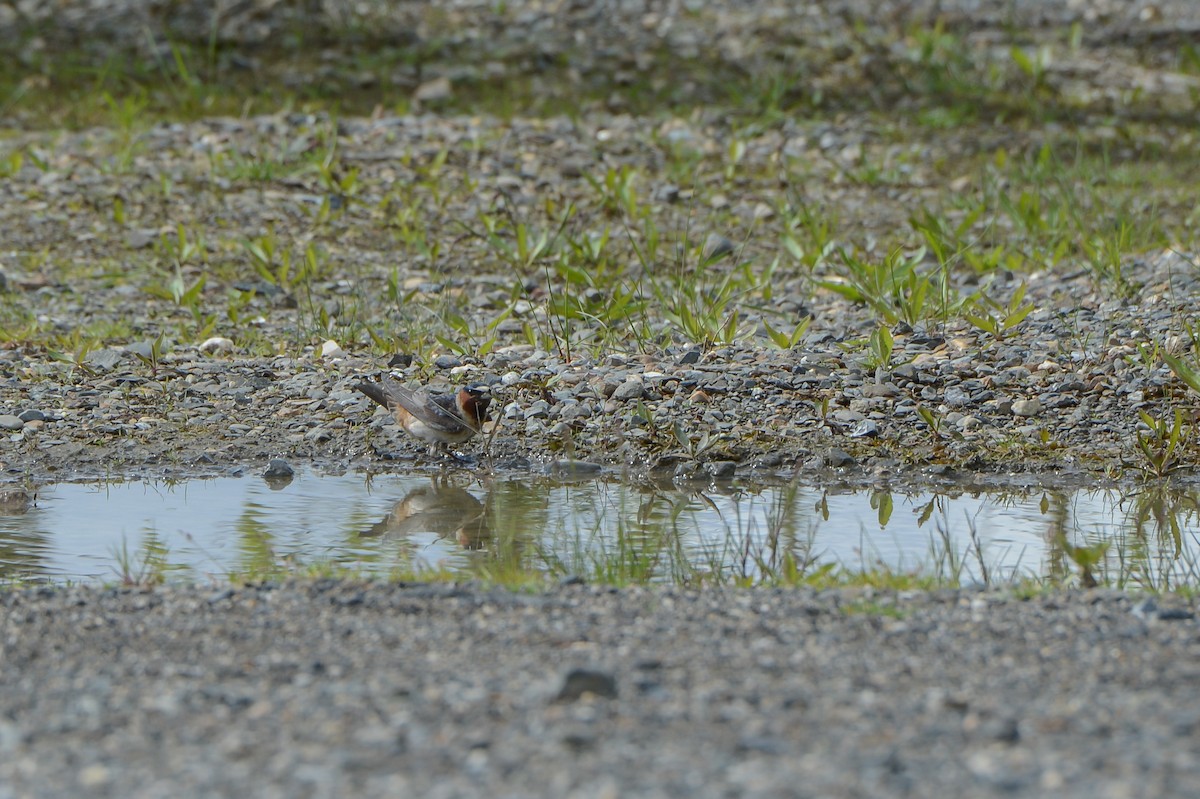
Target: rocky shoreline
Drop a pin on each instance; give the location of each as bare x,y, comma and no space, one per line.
157,328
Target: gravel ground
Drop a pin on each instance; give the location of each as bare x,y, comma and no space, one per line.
105,374
336,690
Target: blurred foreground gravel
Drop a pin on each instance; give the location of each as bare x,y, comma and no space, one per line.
335,689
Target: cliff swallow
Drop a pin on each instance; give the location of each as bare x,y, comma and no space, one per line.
447,511
437,418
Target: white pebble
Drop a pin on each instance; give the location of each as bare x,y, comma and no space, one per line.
217,344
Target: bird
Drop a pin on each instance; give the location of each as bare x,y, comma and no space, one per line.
445,510
439,419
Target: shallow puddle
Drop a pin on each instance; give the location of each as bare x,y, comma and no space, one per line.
600,530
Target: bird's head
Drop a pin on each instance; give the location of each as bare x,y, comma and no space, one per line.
473,401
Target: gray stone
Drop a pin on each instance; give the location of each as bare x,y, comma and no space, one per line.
277,469
716,246
867,428
631,389
839,459
1026,407
721,470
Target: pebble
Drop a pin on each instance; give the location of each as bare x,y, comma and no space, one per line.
716,246
631,389
278,469
580,682
217,344
1026,407
839,459
867,428
10,422
573,469
331,350
721,470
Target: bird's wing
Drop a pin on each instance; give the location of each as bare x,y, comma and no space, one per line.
439,413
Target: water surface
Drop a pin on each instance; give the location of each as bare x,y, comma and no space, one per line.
598,529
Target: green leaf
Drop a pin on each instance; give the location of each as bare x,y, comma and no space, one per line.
1023,61
849,292
1183,371
885,506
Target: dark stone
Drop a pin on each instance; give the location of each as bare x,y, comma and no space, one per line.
279,469
587,681
839,459
400,360
721,470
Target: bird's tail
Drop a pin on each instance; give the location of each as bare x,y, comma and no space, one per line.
376,391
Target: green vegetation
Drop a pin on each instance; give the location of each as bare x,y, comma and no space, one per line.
894,174
603,261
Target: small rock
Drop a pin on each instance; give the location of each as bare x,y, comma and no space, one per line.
104,360
279,469
716,246
879,390
31,415
15,500
956,397
217,344
1146,608
436,89
401,360
1026,407
1175,614
667,193
587,681
538,409
573,469
141,239
142,349
839,459
721,470
446,361
865,429
631,389
331,349
10,422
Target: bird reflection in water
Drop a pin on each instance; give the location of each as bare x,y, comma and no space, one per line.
439,508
